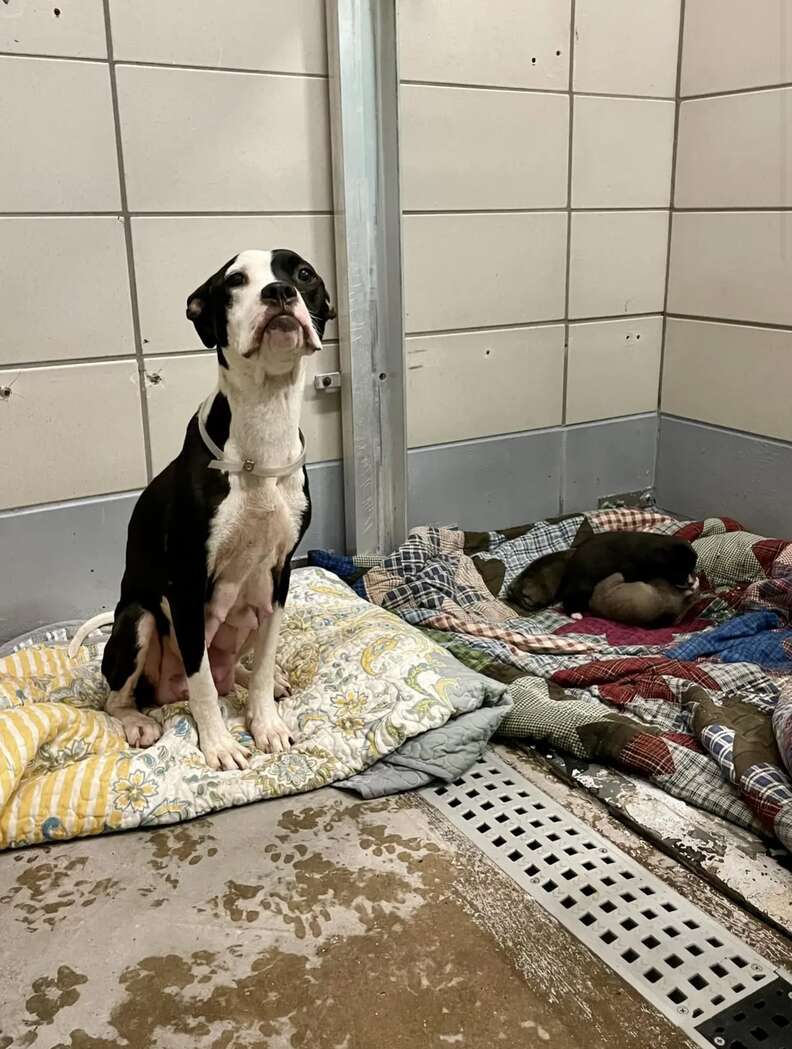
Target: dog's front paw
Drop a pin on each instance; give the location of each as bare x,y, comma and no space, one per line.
270,733
223,752
139,729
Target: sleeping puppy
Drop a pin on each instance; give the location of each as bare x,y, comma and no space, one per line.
656,603
537,585
637,556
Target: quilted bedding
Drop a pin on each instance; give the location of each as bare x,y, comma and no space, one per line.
377,706
702,709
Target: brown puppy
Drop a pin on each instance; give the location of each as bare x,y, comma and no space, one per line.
656,603
638,556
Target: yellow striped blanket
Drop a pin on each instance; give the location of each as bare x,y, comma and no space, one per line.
363,683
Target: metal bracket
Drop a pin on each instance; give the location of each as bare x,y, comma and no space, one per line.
328,382
364,110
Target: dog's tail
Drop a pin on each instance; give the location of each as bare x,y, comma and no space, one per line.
103,619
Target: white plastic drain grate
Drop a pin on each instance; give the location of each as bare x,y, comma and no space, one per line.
690,967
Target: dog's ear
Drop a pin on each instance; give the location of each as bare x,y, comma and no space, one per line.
201,312
206,308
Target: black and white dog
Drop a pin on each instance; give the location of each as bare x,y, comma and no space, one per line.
210,540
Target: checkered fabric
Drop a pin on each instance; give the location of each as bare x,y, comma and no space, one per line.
676,706
544,538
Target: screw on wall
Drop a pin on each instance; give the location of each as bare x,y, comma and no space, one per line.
154,378
6,388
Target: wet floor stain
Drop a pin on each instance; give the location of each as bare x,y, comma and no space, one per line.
53,993
427,981
44,892
341,925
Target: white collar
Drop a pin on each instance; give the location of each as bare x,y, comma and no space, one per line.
248,466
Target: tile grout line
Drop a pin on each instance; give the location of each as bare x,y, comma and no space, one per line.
462,85
130,255
765,437
177,66
672,191
726,209
517,89
568,264
736,321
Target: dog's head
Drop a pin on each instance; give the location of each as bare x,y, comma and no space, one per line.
267,306
675,560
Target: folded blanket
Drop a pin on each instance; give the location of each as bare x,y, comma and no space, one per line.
700,729
365,686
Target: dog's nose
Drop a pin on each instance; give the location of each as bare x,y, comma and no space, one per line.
279,292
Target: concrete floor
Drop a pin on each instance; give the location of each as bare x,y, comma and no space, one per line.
317,921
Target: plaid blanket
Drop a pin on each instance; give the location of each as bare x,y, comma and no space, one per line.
681,705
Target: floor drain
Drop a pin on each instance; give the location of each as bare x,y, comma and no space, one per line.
690,967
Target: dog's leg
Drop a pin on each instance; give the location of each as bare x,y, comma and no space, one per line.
122,664
266,725
219,747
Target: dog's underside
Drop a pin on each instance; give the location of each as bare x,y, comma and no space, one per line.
210,543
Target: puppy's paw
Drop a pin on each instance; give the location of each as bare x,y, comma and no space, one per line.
223,752
140,730
576,615
270,733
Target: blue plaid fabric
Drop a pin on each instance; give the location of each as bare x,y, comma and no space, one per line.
755,637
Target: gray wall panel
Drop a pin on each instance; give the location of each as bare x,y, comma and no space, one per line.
706,471
65,561
492,483
608,458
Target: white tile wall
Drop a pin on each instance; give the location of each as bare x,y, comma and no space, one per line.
613,368
736,151
59,150
245,154
276,37
484,158
617,262
45,27
483,270
733,153
69,431
732,44
621,153
624,47
730,375
174,254
478,384
176,385
515,44
520,154
64,289
735,265
188,123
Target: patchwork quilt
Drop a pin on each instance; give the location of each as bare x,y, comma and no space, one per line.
376,706
702,709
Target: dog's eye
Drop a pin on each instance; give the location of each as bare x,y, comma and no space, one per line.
304,274
235,280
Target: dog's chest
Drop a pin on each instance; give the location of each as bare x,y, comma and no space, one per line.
255,526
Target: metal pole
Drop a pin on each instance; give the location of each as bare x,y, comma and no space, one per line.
364,108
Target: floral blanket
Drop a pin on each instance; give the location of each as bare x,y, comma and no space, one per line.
369,693
702,709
